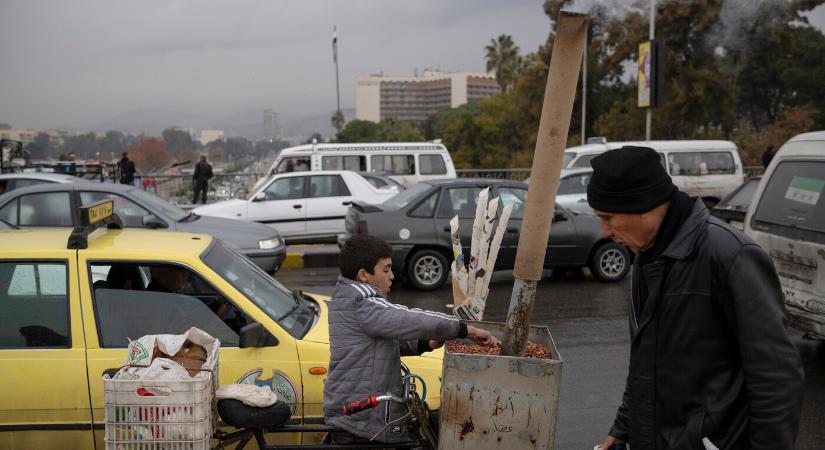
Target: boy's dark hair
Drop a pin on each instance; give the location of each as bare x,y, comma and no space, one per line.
362,252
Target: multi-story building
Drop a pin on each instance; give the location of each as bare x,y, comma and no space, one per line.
208,136
417,98
270,124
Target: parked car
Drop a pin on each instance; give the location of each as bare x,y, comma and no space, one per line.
787,218
55,205
69,314
416,223
733,208
406,162
572,190
12,181
302,205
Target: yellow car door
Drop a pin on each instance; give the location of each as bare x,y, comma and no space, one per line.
44,395
124,304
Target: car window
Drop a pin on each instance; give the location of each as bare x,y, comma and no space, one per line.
129,212
47,209
289,188
516,197
375,181
459,200
701,163
393,164
574,184
261,289
327,186
406,197
153,201
427,207
9,212
793,202
357,163
293,164
584,160
741,198
568,156
35,305
133,300
432,165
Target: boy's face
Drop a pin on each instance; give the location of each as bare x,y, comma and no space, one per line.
381,276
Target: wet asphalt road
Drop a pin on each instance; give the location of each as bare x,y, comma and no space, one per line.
588,321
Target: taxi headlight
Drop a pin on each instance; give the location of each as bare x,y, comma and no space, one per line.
269,244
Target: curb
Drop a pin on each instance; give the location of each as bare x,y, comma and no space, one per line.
302,260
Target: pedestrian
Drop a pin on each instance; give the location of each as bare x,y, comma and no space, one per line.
367,337
767,156
203,172
126,168
711,362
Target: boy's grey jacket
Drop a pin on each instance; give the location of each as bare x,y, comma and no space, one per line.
367,337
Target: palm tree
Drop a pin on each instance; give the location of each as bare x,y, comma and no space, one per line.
338,120
503,59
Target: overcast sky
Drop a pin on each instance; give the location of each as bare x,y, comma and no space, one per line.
74,63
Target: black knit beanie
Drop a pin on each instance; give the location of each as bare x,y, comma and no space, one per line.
628,180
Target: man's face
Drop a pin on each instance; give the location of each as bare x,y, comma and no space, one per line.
636,231
381,276
173,278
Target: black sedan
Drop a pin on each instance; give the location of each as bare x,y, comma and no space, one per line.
417,224
56,205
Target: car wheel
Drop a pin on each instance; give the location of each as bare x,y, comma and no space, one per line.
427,269
610,262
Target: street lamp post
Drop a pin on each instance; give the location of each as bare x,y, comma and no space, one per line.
335,58
649,114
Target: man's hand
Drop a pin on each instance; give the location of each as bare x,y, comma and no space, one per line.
609,442
434,344
480,336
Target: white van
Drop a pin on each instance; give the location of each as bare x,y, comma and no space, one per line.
787,218
405,162
706,169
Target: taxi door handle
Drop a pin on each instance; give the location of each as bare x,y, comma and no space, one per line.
298,206
346,203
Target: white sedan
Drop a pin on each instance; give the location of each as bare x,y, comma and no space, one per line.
302,205
572,191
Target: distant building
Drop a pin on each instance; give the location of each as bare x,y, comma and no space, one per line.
208,136
270,125
27,136
417,98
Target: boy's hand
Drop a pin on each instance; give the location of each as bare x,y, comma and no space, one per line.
434,343
480,336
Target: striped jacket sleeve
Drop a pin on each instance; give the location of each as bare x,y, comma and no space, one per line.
378,317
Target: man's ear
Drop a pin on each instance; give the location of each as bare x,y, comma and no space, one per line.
361,275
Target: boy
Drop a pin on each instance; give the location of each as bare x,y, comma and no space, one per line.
368,335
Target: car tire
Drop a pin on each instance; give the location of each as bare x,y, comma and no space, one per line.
427,270
610,262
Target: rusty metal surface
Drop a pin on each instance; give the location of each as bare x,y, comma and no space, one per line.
500,402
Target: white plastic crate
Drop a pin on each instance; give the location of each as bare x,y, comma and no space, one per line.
177,417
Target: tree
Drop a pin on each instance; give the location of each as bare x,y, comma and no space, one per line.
40,147
338,120
83,145
358,131
238,148
394,130
177,139
149,155
114,142
503,59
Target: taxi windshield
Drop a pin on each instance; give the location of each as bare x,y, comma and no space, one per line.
277,301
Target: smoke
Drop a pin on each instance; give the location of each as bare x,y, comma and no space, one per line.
740,20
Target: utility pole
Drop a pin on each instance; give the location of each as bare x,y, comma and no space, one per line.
584,87
649,114
335,58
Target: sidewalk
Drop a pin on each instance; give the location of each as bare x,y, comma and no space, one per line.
310,255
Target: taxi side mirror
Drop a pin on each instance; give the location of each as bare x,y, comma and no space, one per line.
153,221
259,197
255,335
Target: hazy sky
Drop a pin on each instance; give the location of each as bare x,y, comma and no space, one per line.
74,63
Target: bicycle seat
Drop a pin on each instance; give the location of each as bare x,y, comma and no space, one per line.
235,413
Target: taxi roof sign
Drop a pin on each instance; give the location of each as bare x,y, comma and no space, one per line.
93,217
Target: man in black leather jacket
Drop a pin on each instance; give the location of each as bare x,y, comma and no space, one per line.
711,362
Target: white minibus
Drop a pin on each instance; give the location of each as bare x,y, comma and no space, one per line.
706,169
405,162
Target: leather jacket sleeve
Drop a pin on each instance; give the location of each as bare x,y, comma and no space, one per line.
620,424
773,374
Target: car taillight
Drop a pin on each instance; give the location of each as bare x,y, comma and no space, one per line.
361,227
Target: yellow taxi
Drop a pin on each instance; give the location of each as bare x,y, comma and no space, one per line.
70,301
